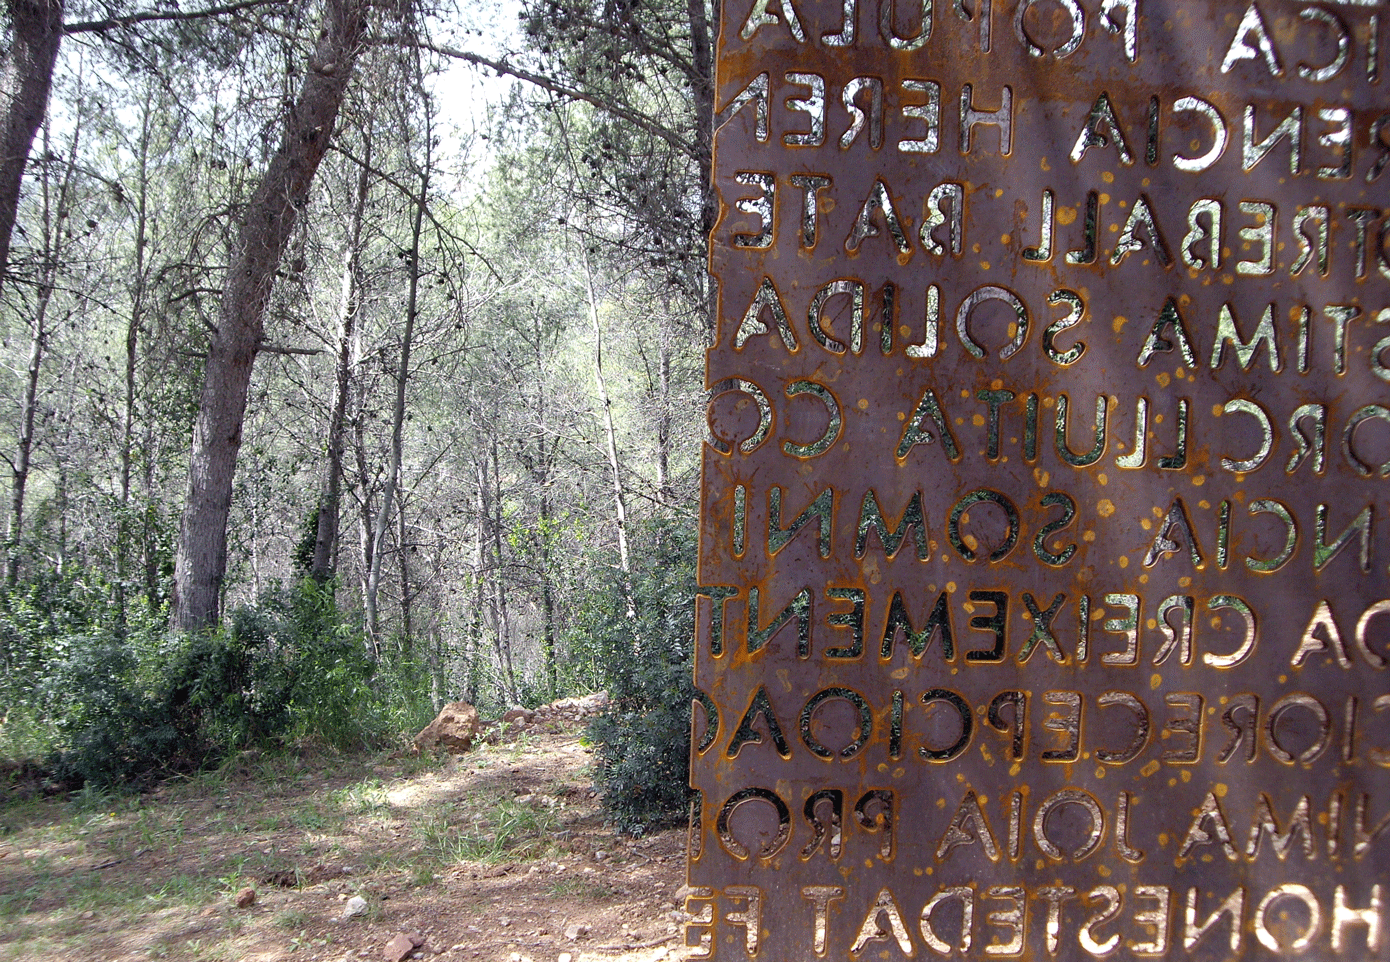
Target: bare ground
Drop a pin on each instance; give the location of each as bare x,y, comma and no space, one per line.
499,854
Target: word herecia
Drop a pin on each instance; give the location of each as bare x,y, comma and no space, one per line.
1324,143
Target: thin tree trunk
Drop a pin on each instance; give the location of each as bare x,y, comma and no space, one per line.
477,622
364,517
326,527
663,412
201,562
702,93
610,434
124,540
23,460
25,80
548,640
55,212
504,628
393,469
403,553
540,474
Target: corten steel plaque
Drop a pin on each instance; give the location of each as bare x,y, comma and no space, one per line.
1044,533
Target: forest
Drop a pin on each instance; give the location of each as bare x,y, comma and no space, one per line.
352,365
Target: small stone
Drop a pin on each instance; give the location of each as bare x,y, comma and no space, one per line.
356,906
398,949
245,898
565,957
575,931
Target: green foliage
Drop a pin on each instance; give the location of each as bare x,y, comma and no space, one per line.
142,702
643,659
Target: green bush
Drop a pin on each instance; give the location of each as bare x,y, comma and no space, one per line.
145,702
639,635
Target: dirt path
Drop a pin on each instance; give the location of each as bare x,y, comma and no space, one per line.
499,854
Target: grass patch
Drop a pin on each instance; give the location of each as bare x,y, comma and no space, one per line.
364,798
502,831
582,889
292,920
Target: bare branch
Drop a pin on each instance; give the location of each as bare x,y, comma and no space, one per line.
554,86
280,349
146,16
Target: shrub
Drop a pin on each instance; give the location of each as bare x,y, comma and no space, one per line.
639,634
147,702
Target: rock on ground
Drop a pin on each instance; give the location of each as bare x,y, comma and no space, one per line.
453,729
400,947
559,717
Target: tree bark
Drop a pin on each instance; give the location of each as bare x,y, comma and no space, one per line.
23,461
201,561
610,434
502,617
702,92
55,213
125,539
391,493
326,528
25,80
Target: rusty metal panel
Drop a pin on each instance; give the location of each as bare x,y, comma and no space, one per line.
1044,537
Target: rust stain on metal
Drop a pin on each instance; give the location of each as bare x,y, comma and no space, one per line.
1044,541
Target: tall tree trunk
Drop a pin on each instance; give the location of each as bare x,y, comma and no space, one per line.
23,460
610,434
201,562
124,539
549,644
406,646
365,514
541,469
26,77
477,621
326,527
503,636
702,93
664,490
393,469
55,213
